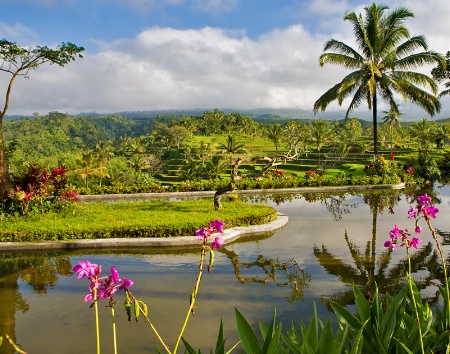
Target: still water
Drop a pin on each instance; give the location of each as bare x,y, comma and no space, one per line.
330,242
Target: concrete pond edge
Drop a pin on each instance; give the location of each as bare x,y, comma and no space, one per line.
229,235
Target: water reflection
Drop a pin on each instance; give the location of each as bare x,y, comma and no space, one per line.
331,242
367,270
36,270
280,273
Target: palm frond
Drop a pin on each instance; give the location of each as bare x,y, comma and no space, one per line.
422,98
411,45
414,78
342,48
360,94
444,93
339,59
358,28
328,97
418,59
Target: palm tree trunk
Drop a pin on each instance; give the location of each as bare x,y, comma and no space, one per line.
375,124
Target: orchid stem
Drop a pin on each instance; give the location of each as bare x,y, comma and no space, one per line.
444,267
194,294
166,347
114,330
97,325
414,300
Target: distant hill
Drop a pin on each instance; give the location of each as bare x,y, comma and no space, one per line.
410,112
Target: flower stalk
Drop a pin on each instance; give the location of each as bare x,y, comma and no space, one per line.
106,287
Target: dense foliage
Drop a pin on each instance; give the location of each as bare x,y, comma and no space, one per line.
114,154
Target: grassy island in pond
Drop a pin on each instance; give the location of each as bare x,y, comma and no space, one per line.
131,219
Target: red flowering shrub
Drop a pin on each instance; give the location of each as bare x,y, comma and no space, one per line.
40,190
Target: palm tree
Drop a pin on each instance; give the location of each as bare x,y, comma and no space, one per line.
215,167
88,166
232,147
103,152
383,65
443,133
321,133
353,129
190,170
275,133
392,119
441,73
424,133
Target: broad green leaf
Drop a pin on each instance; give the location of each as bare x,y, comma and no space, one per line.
263,329
344,337
247,335
327,341
346,317
358,342
312,333
392,318
293,340
189,349
268,335
276,344
362,304
220,344
404,347
306,348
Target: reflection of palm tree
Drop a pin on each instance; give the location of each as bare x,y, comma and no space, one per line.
297,278
11,301
368,271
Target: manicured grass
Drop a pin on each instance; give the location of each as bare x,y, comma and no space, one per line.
132,219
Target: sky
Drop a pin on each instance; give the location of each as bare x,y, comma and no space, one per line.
190,54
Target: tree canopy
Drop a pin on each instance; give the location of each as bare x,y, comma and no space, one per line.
19,61
382,65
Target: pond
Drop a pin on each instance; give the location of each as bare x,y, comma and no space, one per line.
330,242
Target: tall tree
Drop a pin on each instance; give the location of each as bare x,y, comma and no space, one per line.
424,133
387,54
231,147
103,152
274,133
18,61
321,133
392,119
441,73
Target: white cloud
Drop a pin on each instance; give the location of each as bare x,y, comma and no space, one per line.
166,68
15,31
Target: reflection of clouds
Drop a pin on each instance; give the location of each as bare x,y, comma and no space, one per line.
165,281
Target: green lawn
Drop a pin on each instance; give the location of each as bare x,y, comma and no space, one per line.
132,219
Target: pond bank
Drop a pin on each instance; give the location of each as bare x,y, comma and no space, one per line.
229,235
199,194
